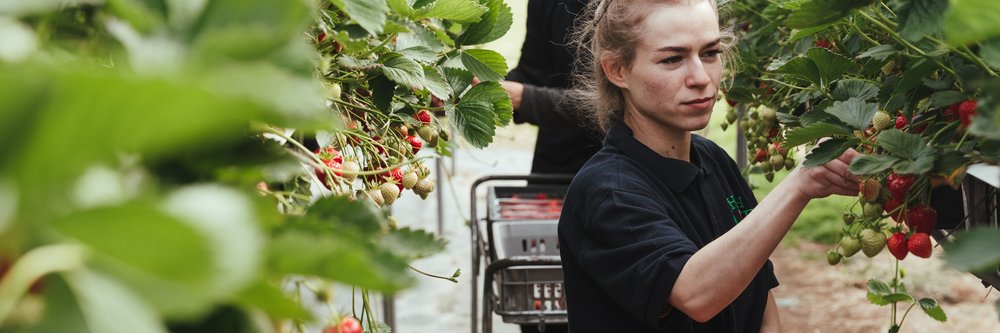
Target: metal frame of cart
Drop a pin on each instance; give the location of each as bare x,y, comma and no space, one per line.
522,278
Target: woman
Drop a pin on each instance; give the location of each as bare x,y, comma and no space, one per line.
657,232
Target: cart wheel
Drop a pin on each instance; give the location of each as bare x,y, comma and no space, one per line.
975,205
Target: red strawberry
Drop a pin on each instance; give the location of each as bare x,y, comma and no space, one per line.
415,143
823,43
920,245
901,122
329,153
891,205
899,184
396,175
731,102
778,148
967,110
897,245
348,325
760,155
321,173
921,218
772,132
423,116
767,90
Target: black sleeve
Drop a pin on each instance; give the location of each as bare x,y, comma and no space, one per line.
635,253
544,106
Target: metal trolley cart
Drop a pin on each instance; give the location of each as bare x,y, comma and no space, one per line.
518,243
976,206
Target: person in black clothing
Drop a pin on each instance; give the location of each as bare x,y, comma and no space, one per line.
537,86
659,231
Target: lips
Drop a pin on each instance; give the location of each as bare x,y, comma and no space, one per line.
698,101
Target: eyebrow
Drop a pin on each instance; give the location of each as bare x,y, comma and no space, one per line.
685,49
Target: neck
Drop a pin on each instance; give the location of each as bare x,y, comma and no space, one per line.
666,141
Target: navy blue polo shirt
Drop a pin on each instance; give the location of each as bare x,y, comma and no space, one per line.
632,219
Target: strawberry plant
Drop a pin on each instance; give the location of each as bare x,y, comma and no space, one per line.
171,165
910,84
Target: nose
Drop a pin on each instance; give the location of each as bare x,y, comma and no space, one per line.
697,75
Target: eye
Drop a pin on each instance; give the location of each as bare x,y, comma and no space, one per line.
672,60
711,54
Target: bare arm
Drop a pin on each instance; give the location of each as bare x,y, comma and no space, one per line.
771,323
718,273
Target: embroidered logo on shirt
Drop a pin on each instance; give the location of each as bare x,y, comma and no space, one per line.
737,208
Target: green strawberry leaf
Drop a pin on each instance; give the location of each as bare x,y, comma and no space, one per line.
269,298
830,66
901,144
403,70
970,21
827,151
923,164
800,68
854,88
975,251
488,65
494,93
898,297
400,7
435,83
932,309
879,53
990,51
802,135
946,97
461,11
382,92
914,76
369,14
475,120
493,25
419,36
878,287
920,17
345,213
411,244
871,164
811,13
854,112
459,79
421,54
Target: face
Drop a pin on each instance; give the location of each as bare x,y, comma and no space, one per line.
674,77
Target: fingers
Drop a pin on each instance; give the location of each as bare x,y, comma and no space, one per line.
843,170
849,156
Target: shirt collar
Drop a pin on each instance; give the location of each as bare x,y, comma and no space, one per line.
677,174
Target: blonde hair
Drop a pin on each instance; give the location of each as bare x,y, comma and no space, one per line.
612,27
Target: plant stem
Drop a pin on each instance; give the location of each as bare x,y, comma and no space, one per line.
906,43
433,275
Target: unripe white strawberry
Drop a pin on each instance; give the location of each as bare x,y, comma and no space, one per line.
389,192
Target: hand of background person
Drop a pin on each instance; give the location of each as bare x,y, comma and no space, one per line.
830,178
515,90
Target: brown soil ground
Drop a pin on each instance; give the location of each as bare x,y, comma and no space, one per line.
815,297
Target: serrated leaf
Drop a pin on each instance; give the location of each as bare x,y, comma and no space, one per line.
879,53
990,51
920,17
814,116
420,53
914,75
904,145
419,36
400,7
854,112
811,13
343,212
493,25
488,65
435,83
382,92
264,296
877,299
878,287
827,151
456,10
802,135
338,256
921,165
459,79
800,68
871,164
854,88
974,251
411,243
932,309
353,63
475,120
830,66
403,70
494,94
370,14
969,21
946,98
798,34
898,297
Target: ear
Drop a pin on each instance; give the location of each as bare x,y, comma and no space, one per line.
614,70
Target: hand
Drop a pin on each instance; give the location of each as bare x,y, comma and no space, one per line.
830,178
515,90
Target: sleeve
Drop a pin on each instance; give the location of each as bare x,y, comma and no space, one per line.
772,280
543,106
637,253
